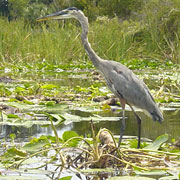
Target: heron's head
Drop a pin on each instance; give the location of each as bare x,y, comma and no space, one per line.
71,12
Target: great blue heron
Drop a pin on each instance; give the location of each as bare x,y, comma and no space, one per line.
120,80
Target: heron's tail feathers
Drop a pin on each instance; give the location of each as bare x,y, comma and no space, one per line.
157,116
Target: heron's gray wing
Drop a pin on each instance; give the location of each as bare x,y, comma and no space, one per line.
125,84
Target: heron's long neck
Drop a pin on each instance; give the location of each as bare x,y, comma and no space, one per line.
84,37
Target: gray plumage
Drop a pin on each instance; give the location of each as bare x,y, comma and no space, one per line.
126,85
120,80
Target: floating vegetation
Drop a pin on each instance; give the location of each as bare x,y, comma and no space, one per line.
86,155
52,100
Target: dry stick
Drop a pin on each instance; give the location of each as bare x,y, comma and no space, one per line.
157,157
177,162
58,177
112,156
144,156
165,168
162,152
85,163
123,161
81,149
145,153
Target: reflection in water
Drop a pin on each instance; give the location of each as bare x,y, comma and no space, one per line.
150,129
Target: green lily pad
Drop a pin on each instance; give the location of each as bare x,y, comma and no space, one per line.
157,142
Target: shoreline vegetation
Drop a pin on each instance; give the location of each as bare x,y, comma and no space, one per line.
148,36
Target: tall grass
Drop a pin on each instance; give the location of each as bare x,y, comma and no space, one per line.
22,43
59,42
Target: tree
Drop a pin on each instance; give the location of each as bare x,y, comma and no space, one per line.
17,8
4,8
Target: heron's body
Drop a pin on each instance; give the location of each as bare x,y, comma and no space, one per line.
127,86
120,80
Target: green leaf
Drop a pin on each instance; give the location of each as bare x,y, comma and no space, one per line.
12,136
49,86
133,143
36,144
12,116
12,152
70,134
66,178
50,103
28,102
55,117
157,142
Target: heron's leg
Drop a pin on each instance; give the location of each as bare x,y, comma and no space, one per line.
123,123
139,130
123,126
139,126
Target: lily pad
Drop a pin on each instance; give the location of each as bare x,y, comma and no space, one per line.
157,142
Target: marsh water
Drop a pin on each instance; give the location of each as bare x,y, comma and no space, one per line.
80,113
150,129
111,121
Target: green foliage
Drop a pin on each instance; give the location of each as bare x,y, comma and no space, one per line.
44,152
136,43
162,27
134,143
17,8
29,9
122,9
66,178
67,135
36,144
158,142
33,11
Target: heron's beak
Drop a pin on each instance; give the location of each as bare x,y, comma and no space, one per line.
58,15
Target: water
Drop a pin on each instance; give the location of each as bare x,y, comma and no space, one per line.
150,129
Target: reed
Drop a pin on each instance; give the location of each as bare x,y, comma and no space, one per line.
59,42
